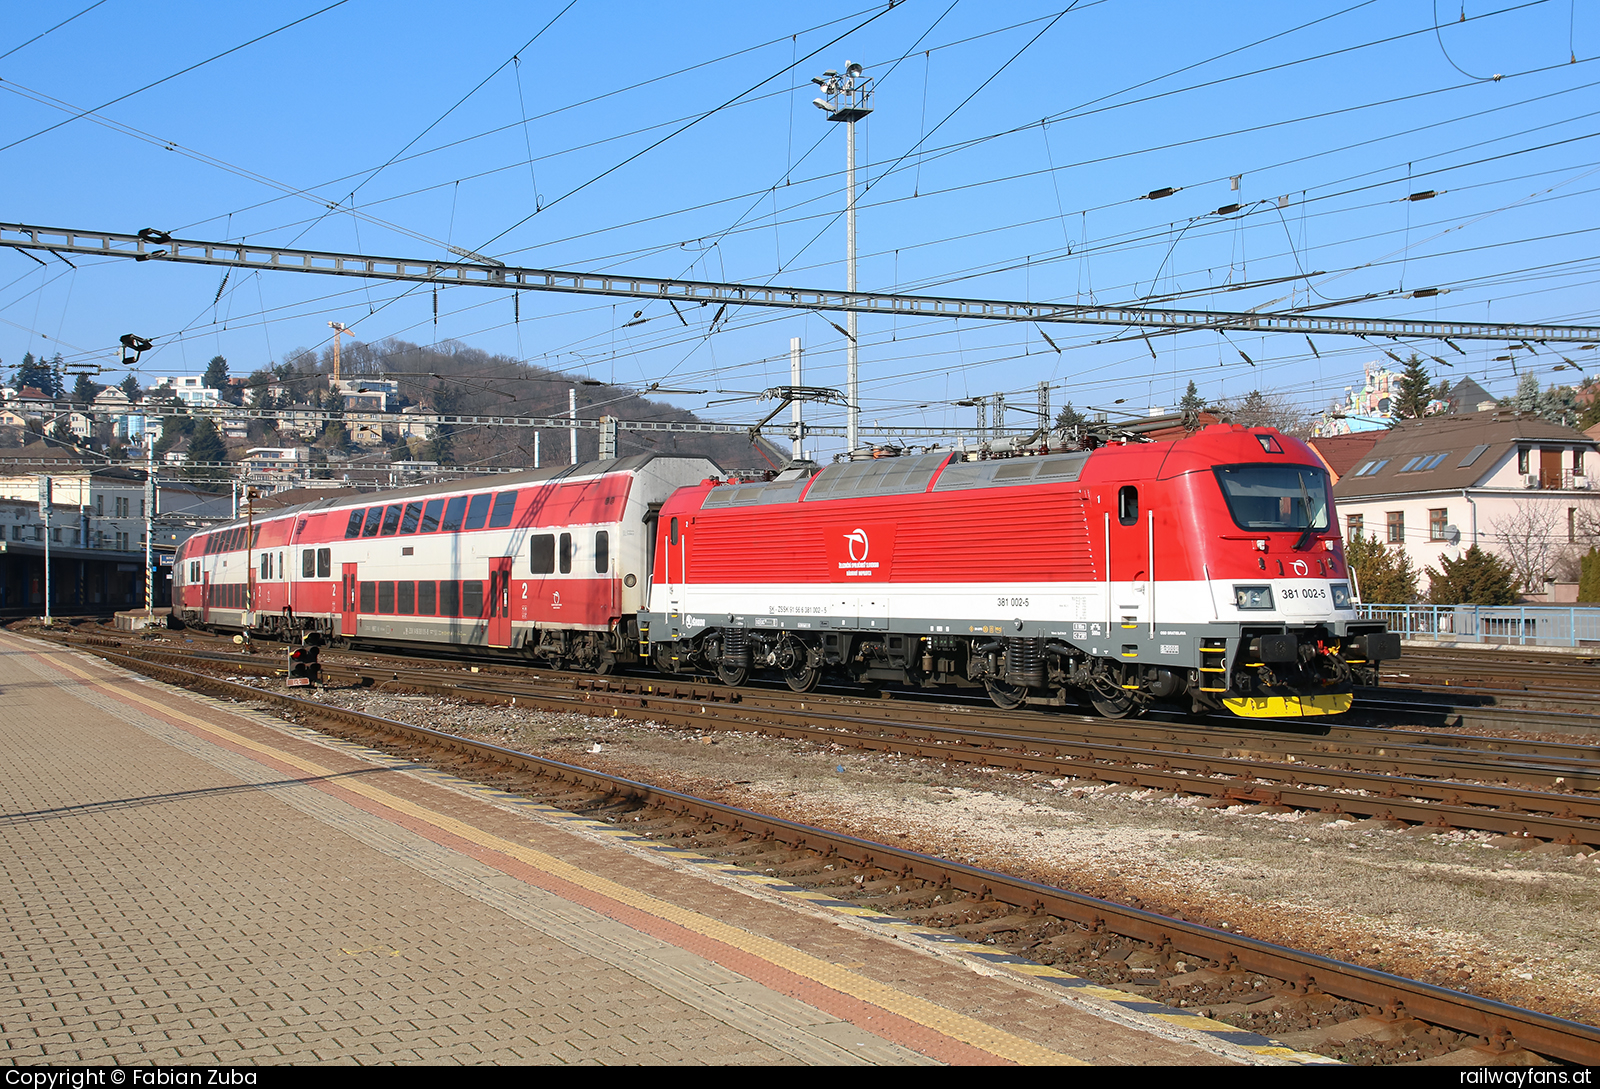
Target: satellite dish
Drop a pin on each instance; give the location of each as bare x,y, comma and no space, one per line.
1452,536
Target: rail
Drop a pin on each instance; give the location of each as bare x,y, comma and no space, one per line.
1493,625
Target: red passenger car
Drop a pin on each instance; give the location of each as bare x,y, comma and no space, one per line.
554,563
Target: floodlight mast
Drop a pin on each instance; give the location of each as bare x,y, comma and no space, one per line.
848,99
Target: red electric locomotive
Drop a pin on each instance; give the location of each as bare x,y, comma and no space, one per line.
1206,573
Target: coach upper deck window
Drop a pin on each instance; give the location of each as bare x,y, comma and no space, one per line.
391,519
431,515
478,512
354,528
454,512
374,521
409,523
504,504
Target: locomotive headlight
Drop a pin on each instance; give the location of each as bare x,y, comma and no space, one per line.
1252,597
1341,595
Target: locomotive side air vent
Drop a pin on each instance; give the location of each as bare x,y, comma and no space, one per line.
886,476
1009,472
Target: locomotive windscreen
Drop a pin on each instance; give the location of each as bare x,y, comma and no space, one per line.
1280,497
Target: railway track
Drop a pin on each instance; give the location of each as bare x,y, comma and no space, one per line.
1537,790
1149,954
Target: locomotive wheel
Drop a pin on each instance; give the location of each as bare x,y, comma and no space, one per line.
733,676
1121,707
1007,697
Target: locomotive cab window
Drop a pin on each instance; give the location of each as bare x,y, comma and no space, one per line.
1128,505
1275,497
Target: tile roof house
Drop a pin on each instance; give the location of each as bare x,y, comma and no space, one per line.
1519,486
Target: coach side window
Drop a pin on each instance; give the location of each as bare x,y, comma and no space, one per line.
324,563
566,553
308,563
504,505
478,512
602,552
453,514
543,554
430,515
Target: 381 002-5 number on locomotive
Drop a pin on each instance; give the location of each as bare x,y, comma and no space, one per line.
1205,573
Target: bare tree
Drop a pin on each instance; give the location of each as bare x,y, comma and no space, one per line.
1529,542
1257,409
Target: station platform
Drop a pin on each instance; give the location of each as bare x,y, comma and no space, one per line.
189,881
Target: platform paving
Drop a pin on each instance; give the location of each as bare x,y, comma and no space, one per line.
187,880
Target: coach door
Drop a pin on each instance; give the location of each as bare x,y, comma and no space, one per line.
499,603
347,601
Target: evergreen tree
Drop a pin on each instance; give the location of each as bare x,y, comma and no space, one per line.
1589,580
1069,418
216,374
1191,406
1477,578
130,386
36,373
205,444
84,390
1526,399
1413,391
1385,577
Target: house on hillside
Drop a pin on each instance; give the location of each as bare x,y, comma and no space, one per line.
1518,486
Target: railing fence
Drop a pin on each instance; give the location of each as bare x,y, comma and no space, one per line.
1520,625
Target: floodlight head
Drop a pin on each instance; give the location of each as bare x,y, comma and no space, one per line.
852,69
819,81
820,103
829,72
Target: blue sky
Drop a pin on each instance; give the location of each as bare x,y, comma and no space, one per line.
1006,156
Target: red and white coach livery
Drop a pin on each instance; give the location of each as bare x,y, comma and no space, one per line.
554,562
1205,572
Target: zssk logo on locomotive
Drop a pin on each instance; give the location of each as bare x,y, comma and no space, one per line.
860,552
